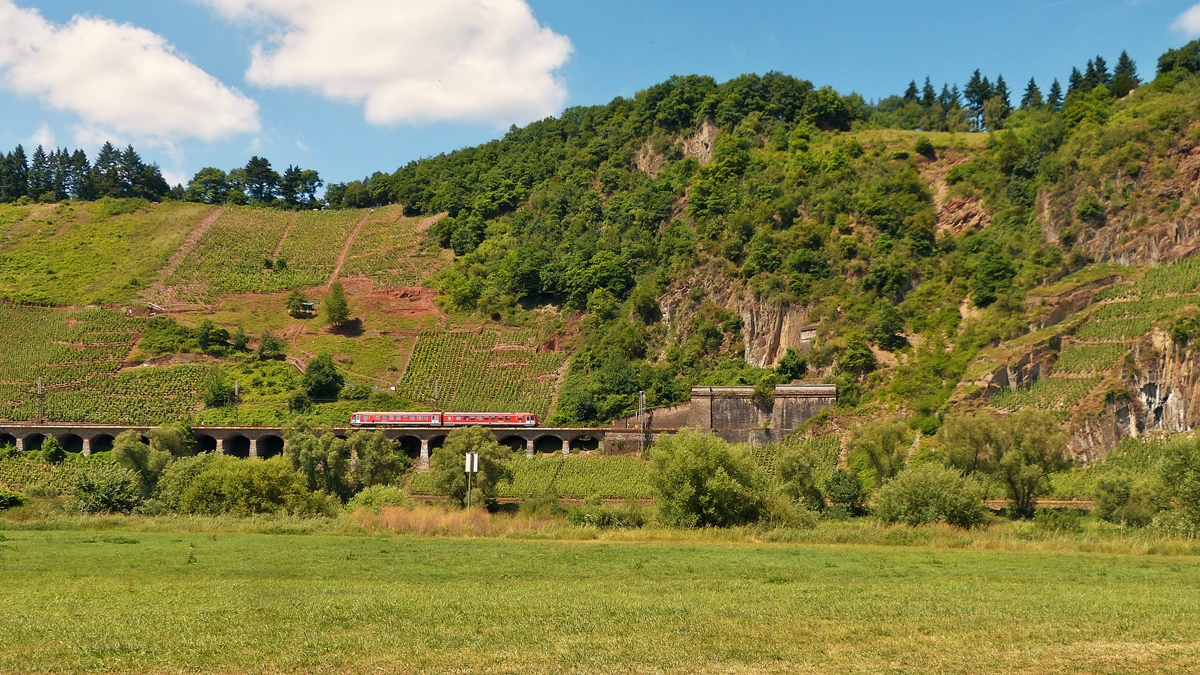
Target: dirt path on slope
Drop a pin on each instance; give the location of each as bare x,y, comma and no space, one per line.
346,249
156,289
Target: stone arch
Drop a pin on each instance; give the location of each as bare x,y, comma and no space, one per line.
205,443
590,443
547,443
269,446
71,442
7,440
34,442
514,442
410,446
102,443
237,446
436,442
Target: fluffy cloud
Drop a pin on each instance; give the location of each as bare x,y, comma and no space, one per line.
410,60
1189,22
117,77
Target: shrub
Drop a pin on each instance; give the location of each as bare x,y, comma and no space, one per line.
321,379
884,445
52,451
786,513
378,496
797,470
625,516
1180,475
844,490
702,481
376,460
322,459
446,466
1058,520
9,499
923,146
144,461
931,494
217,484
1121,500
103,487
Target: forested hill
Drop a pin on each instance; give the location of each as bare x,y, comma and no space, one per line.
939,248
702,225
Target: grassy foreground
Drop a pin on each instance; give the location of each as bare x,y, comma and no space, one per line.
129,600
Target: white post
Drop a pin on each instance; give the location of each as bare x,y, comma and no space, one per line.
253,448
529,448
87,447
424,465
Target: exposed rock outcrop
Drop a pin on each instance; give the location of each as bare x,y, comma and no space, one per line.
768,328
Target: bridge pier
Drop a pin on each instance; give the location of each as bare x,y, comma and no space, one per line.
424,465
529,449
566,447
220,445
20,444
87,447
253,448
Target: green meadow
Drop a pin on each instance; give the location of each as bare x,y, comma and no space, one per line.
128,600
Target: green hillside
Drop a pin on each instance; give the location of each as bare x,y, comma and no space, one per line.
668,240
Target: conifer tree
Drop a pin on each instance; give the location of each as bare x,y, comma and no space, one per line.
1033,96
928,95
1125,78
911,93
1055,97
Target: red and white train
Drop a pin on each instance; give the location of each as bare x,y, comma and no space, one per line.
450,419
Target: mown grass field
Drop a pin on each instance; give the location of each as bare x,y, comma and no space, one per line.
123,600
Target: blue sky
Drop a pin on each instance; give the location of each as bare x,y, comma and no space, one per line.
349,87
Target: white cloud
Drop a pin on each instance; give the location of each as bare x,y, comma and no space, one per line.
411,60
43,137
117,78
1188,22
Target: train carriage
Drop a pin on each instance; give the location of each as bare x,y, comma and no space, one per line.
455,419
396,419
432,419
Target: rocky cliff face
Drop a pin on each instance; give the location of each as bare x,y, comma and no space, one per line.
768,329
1162,394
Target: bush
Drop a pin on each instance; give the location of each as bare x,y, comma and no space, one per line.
10,499
625,516
844,490
217,484
52,451
321,378
931,494
798,469
446,466
1180,475
1121,500
103,487
1058,520
782,512
378,496
702,481
923,146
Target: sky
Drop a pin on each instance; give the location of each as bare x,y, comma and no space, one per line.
350,87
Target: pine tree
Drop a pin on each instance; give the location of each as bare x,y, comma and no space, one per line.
1001,92
1102,75
1032,97
911,93
106,173
1075,81
948,99
1054,100
79,180
1125,78
40,178
928,95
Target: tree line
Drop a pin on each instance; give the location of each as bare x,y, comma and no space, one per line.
984,105
256,183
63,174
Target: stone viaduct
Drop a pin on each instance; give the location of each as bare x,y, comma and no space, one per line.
263,442
729,412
